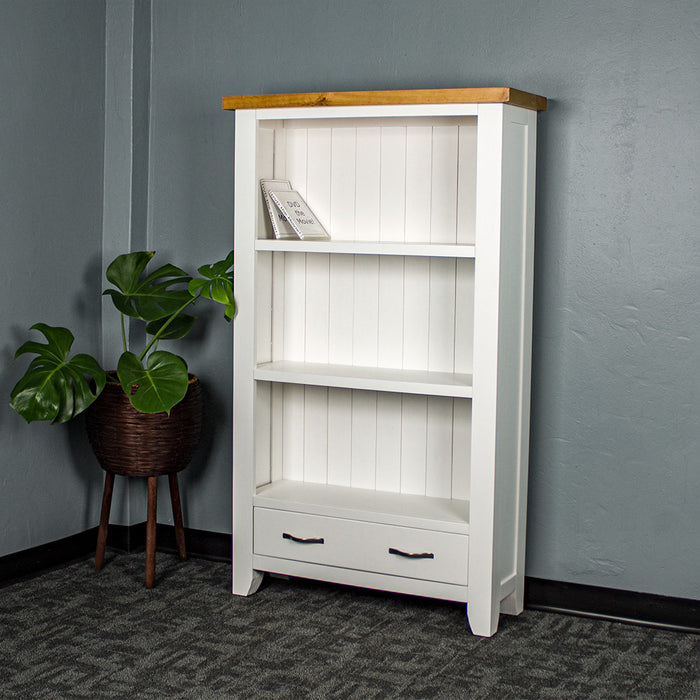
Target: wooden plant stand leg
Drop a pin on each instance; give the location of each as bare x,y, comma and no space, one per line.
104,521
151,532
177,516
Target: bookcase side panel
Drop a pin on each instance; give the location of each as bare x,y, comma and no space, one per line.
244,458
515,331
484,605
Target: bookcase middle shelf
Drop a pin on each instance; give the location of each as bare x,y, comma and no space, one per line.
403,381
432,250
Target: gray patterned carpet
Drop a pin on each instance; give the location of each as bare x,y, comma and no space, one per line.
75,633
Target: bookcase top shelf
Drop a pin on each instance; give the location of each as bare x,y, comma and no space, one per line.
503,95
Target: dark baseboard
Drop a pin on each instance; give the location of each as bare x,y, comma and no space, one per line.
32,561
677,614
215,546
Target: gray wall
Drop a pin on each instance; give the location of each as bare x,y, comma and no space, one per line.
614,469
51,145
614,476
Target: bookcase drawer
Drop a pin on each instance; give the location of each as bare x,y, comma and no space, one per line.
364,546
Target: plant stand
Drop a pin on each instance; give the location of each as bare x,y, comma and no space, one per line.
131,443
150,523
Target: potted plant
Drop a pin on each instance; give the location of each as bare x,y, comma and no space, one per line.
144,418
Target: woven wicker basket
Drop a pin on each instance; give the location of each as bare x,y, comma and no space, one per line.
128,442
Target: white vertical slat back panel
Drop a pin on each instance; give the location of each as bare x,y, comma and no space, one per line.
341,304
295,158
317,308
265,167
343,157
276,431
367,184
464,317
417,185
365,310
280,154
461,448
263,307
393,183
315,434
441,332
416,311
388,477
364,438
438,478
339,437
294,306
466,184
443,223
390,316
293,432
278,303
413,443
318,174
262,433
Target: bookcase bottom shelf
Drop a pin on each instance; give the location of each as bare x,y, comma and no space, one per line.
382,507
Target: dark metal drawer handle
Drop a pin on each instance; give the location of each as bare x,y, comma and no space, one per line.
303,540
412,555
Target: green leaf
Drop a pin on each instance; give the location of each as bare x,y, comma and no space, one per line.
53,387
179,327
216,284
147,298
158,386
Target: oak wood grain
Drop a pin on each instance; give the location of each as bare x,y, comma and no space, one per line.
503,95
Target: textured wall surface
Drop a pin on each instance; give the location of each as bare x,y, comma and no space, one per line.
51,145
615,478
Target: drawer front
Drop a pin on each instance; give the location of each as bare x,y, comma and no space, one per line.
352,544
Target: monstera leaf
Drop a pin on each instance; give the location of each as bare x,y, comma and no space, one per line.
53,387
157,387
152,297
216,284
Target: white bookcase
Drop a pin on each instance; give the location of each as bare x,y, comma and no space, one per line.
382,377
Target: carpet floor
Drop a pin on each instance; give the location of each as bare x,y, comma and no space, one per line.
75,633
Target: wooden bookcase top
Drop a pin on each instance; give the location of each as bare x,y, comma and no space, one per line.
503,95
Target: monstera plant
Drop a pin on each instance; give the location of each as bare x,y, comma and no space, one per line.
57,387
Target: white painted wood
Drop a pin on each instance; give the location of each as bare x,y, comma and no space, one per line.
355,544
365,579
343,179
367,378
414,415
364,439
483,609
367,184
365,311
293,432
444,184
244,578
388,474
461,449
466,183
367,248
416,312
444,514
418,187
317,293
382,377
392,202
315,426
339,437
438,458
